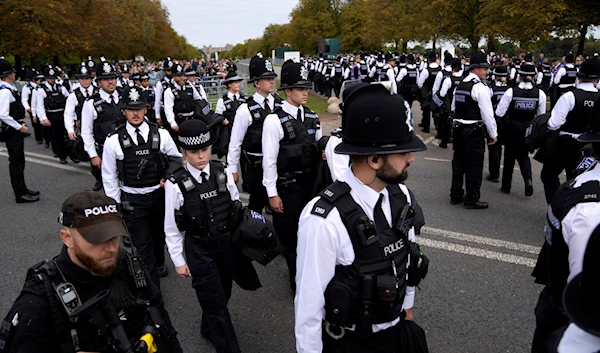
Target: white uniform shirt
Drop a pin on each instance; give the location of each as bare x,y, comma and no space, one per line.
324,243
504,103
220,108
158,103
447,84
337,163
243,120
579,223
425,74
559,75
483,96
41,95
437,84
565,104
113,152
576,340
271,136
391,76
170,102
70,114
404,71
88,115
26,93
6,97
174,200
34,101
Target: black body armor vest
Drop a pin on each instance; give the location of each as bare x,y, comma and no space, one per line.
410,80
184,101
364,70
371,290
552,268
524,104
31,90
109,116
165,84
55,101
143,165
465,107
150,95
297,149
231,106
498,93
383,73
430,80
16,109
546,78
81,100
253,140
338,73
578,118
207,206
569,77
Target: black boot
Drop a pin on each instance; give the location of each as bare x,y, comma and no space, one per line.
98,185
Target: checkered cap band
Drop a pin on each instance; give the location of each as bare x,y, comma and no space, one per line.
195,140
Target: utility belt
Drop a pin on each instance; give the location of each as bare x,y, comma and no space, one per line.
182,117
252,159
99,148
478,125
55,110
288,178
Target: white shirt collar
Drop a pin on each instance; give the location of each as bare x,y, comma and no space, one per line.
144,130
292,110
230,95
260,99
195,172
9,85
525,85
105,96
587,86
362,191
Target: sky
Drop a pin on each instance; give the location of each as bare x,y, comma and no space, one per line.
222,22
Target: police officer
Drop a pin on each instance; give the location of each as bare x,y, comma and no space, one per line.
473,115
388,73
521,104
573,214
179,100
68,301
581,299
425,83
202,192
134,163
123,80
544,80
76,99
51,100
191,76
246,133
445,95
570,116
290,158
565,78
100,115
150,96
161,87
227,105
354,222
28,93
495,151
13,128
407,79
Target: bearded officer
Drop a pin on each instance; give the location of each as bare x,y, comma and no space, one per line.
570,116
245,146
100,115
290,158
134,165
348,241
473,116
12,114
96,265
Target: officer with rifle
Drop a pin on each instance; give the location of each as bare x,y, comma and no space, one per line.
70,303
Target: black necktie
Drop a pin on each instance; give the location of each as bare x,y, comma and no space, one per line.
299,115
235,99
86,94
381,223
267,107
112,100
139,137
204,177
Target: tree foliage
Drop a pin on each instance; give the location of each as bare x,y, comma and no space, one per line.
39,29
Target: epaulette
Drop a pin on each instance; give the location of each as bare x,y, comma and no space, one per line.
115,131
328,197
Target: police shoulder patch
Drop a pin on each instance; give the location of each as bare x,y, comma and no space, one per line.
322,208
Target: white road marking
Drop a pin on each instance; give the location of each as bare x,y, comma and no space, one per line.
437,159
429,139
487,254
482,240
421,137
51,164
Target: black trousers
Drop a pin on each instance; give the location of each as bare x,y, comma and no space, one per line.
146,226
294,197
516,150
57,134
467,163
212,265
549,317
37,130
408,96
426,120
252,182
495,154
16,160
327,87
444,127
337,87
391,340
566,158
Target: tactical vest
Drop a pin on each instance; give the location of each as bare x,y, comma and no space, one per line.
364,70
546,78
206,207
371,290
31,90
150,95
81,100
253,140
456,80
429,81
165,84
524,104
297,149
383,74
231,106
74,334
378,69
143,165
410,80
183,104
109,116
16,109
465,107
338,73
569,77
577,120
552,268
498,93
55,101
